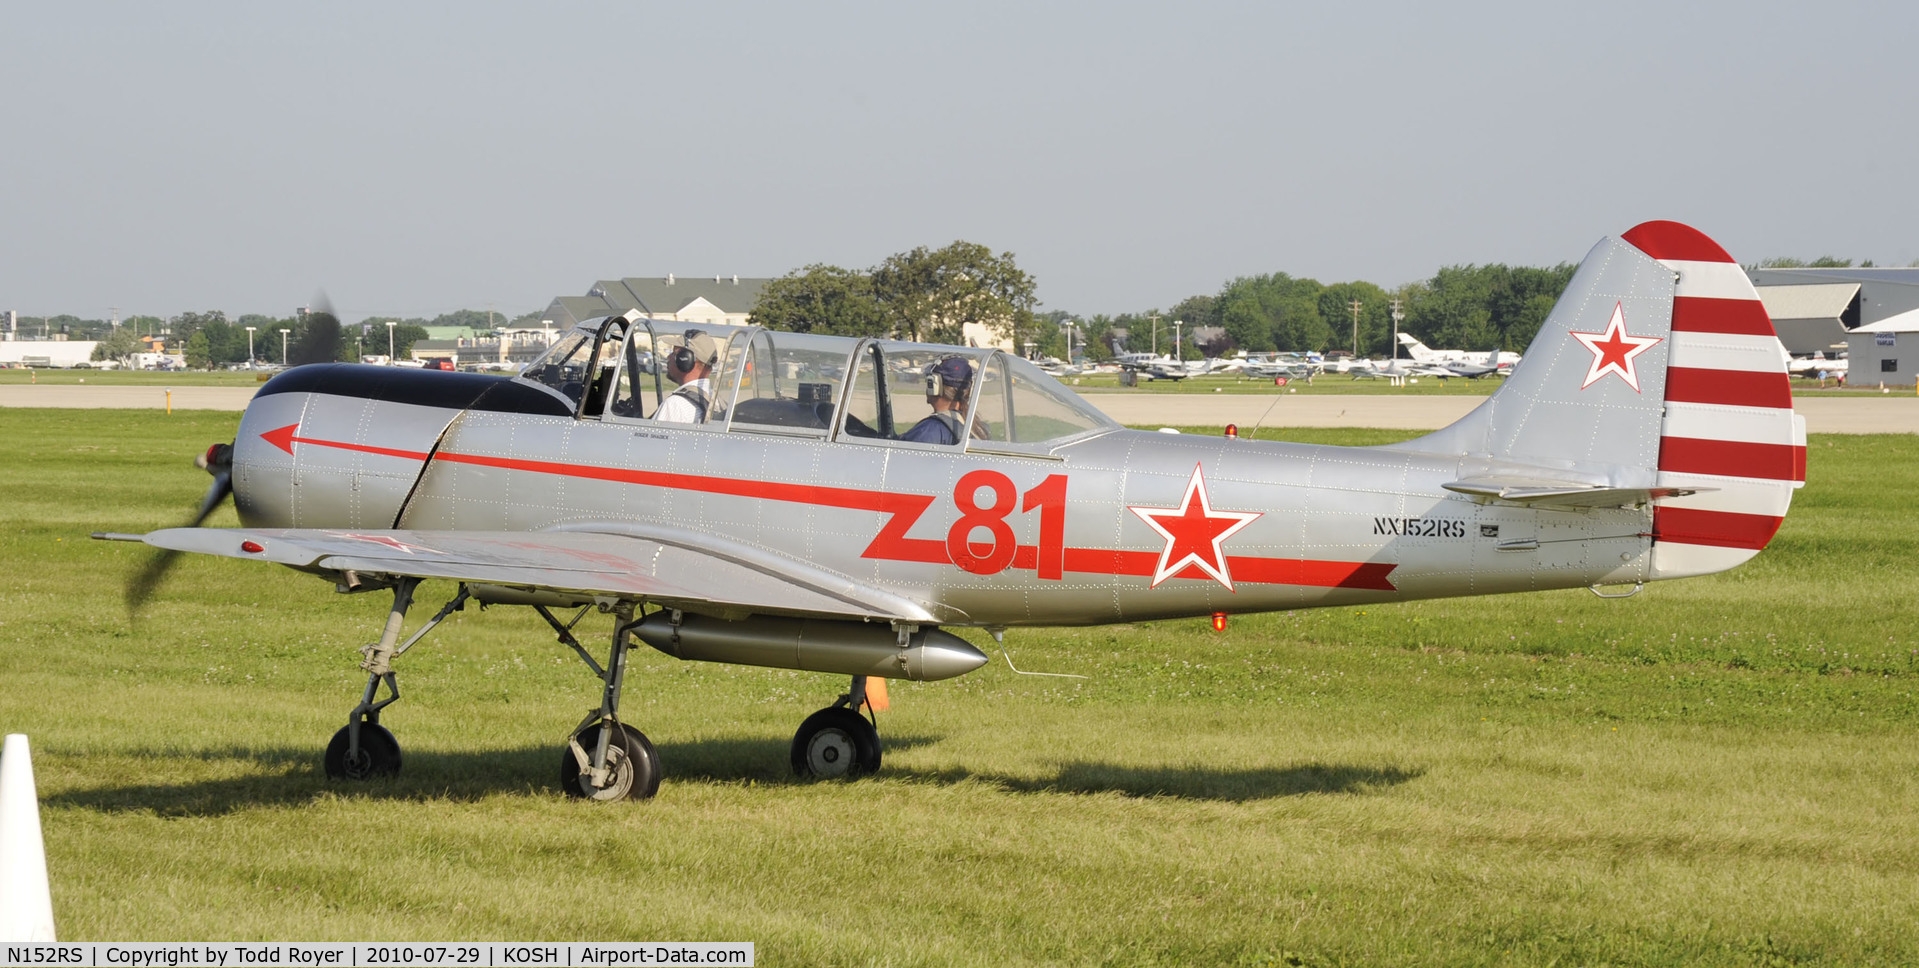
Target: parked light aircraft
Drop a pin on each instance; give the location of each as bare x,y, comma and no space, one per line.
1648,435
1421,353
1818,366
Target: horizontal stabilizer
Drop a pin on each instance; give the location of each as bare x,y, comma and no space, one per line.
1565,494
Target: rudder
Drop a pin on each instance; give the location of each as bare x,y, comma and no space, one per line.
1729,427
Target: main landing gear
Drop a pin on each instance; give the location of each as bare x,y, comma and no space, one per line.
604,758
837,742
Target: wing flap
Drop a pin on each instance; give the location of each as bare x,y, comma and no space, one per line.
585,562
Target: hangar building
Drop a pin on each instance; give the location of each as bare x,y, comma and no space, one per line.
1818,310
1885,352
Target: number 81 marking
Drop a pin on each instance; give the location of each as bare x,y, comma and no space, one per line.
1048,497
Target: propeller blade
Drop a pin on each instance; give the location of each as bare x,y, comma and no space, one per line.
222,487
218,461
147,580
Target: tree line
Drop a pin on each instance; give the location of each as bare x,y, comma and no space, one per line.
929,295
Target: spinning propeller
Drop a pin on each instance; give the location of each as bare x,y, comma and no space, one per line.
218,461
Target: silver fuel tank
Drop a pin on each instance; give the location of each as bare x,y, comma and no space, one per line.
813,645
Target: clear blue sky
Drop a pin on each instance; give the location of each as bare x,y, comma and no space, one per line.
417,158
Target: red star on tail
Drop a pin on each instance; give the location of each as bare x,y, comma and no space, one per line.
1613,350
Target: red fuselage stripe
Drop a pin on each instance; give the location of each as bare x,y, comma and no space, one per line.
903,510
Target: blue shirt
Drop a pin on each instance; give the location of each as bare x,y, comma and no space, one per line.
942,427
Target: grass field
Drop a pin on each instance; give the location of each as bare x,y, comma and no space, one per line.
1721,771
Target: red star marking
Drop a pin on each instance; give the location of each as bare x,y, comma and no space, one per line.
1193,533
1613,350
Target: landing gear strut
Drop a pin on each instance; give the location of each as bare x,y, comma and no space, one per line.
364,749
837,742
606,759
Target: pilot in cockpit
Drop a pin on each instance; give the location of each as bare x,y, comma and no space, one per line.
946,384
691,366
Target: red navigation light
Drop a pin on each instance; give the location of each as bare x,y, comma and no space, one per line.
1232,430
254,548
1219,621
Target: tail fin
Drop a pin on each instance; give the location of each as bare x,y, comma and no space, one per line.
1417,351
1657,372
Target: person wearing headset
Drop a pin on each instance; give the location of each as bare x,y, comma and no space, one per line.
946,384
691,366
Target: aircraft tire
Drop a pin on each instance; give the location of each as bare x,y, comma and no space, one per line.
379,754
836,743
631,758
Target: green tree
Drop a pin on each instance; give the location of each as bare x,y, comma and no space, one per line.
821,299
197,354
404,336
1375,317
117,345
931,295
1273,312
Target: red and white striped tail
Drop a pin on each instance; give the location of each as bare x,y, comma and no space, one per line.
1729,424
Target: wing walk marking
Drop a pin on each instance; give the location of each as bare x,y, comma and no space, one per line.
903,511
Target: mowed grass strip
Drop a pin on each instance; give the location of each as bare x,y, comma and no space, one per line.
1716,771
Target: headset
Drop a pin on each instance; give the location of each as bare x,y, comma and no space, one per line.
683,358
936,384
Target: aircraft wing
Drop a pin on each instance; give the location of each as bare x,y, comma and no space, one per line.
685,571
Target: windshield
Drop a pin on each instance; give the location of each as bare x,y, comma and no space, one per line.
562,369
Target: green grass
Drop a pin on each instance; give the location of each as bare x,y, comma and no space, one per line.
1719,771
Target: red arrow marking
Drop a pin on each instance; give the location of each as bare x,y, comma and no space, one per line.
284,439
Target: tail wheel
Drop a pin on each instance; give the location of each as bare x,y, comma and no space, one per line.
633,767
836,743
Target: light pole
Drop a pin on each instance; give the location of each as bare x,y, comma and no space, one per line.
1397,316
1179,353
250,347
283,346
389,342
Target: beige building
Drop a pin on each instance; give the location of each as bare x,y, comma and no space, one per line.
704,299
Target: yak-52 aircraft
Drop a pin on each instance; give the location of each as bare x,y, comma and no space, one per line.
810,520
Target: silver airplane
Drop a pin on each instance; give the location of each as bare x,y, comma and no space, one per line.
810,517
